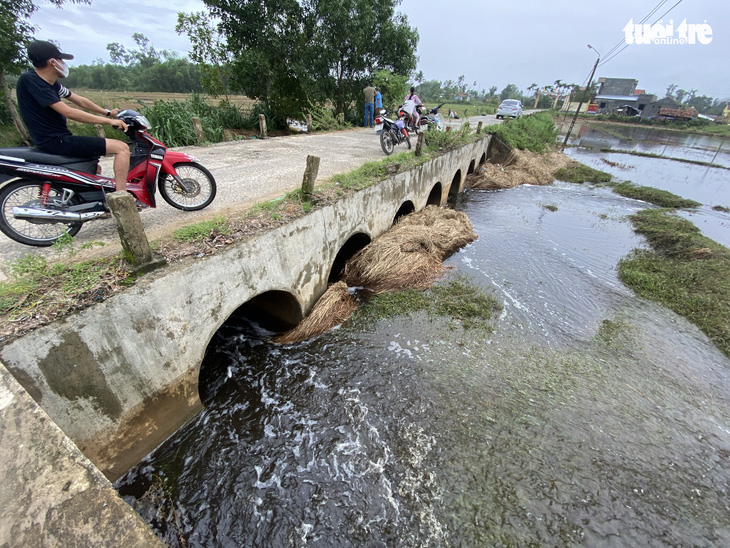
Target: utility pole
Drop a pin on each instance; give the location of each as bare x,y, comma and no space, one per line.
580,104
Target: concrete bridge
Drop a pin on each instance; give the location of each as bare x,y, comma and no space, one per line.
121,376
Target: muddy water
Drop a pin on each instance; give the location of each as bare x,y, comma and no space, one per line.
588,417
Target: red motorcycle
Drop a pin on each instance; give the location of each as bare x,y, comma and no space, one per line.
44,197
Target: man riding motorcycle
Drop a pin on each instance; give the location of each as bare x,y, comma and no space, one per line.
40,103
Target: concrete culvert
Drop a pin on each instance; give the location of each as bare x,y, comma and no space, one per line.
406,209
434,198
409,255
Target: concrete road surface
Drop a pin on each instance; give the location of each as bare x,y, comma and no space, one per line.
246,172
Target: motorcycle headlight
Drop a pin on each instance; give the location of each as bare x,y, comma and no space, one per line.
143,122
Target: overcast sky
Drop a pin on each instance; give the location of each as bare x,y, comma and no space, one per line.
490,43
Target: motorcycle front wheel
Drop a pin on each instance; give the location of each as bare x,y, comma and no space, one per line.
196,191
387,142
40,232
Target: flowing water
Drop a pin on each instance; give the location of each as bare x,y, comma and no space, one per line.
588,417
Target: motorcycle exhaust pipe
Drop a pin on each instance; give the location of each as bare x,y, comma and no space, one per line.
42,214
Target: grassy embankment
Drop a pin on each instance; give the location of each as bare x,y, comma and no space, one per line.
683,270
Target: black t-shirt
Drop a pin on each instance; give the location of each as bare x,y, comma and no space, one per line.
35,96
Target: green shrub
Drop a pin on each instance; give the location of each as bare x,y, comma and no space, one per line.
536,132
172,121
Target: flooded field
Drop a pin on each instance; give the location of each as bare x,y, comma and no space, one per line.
708,185
588,417
674,144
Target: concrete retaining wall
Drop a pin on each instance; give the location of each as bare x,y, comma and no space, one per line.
121,376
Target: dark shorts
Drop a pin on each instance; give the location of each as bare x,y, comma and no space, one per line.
75,146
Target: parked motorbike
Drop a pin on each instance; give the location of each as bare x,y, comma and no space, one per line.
392,132
44,196
432,119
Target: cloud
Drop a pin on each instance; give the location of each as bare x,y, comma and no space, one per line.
85,30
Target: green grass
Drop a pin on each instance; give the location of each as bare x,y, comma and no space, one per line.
202,230
580,173
536,132
661,198
437,141
34,280
373,172
684,270
457,298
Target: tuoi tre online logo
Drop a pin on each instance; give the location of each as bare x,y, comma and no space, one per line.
661,34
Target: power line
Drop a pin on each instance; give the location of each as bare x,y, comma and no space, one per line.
627,45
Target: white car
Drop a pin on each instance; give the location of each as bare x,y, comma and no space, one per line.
510,107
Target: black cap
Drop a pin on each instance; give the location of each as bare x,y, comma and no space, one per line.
41,51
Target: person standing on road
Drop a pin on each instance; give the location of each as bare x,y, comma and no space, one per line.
40,103
378,100
369,93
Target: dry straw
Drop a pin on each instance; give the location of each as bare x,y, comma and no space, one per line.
332,309
519,168
410,255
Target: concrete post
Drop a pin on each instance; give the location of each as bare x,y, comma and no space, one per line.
310,125
100,130
198,127
262,126
310,176
131,232
341,118
479,128
419,143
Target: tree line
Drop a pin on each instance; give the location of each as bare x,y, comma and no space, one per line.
702,103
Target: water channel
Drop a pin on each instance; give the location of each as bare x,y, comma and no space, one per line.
588,417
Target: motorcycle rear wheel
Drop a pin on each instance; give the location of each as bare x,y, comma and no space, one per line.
38,233
387,142
201,187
